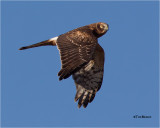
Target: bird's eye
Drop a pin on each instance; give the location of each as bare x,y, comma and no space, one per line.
101,26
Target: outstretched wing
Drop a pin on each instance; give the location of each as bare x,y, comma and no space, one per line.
76,49
89,79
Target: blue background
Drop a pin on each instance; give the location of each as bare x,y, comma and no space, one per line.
32,95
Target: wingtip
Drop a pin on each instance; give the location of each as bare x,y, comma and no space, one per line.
60,78
79,106
84,106
75,100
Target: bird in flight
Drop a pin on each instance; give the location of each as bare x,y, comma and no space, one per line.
82,57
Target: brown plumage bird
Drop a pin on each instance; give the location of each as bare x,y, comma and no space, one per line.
82,57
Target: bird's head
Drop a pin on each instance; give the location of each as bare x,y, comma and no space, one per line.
100,29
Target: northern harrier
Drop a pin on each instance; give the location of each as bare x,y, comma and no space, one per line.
82,57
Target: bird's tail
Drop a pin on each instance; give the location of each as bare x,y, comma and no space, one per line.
43,43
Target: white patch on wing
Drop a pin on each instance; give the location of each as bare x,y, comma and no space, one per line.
54,38
89,65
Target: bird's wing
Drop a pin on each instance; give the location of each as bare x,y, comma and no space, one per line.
89,79
76,49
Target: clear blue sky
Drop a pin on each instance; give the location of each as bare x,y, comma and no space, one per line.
32,95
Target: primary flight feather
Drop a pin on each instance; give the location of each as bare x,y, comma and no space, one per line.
82,57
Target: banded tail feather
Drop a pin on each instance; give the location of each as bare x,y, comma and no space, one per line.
51,41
